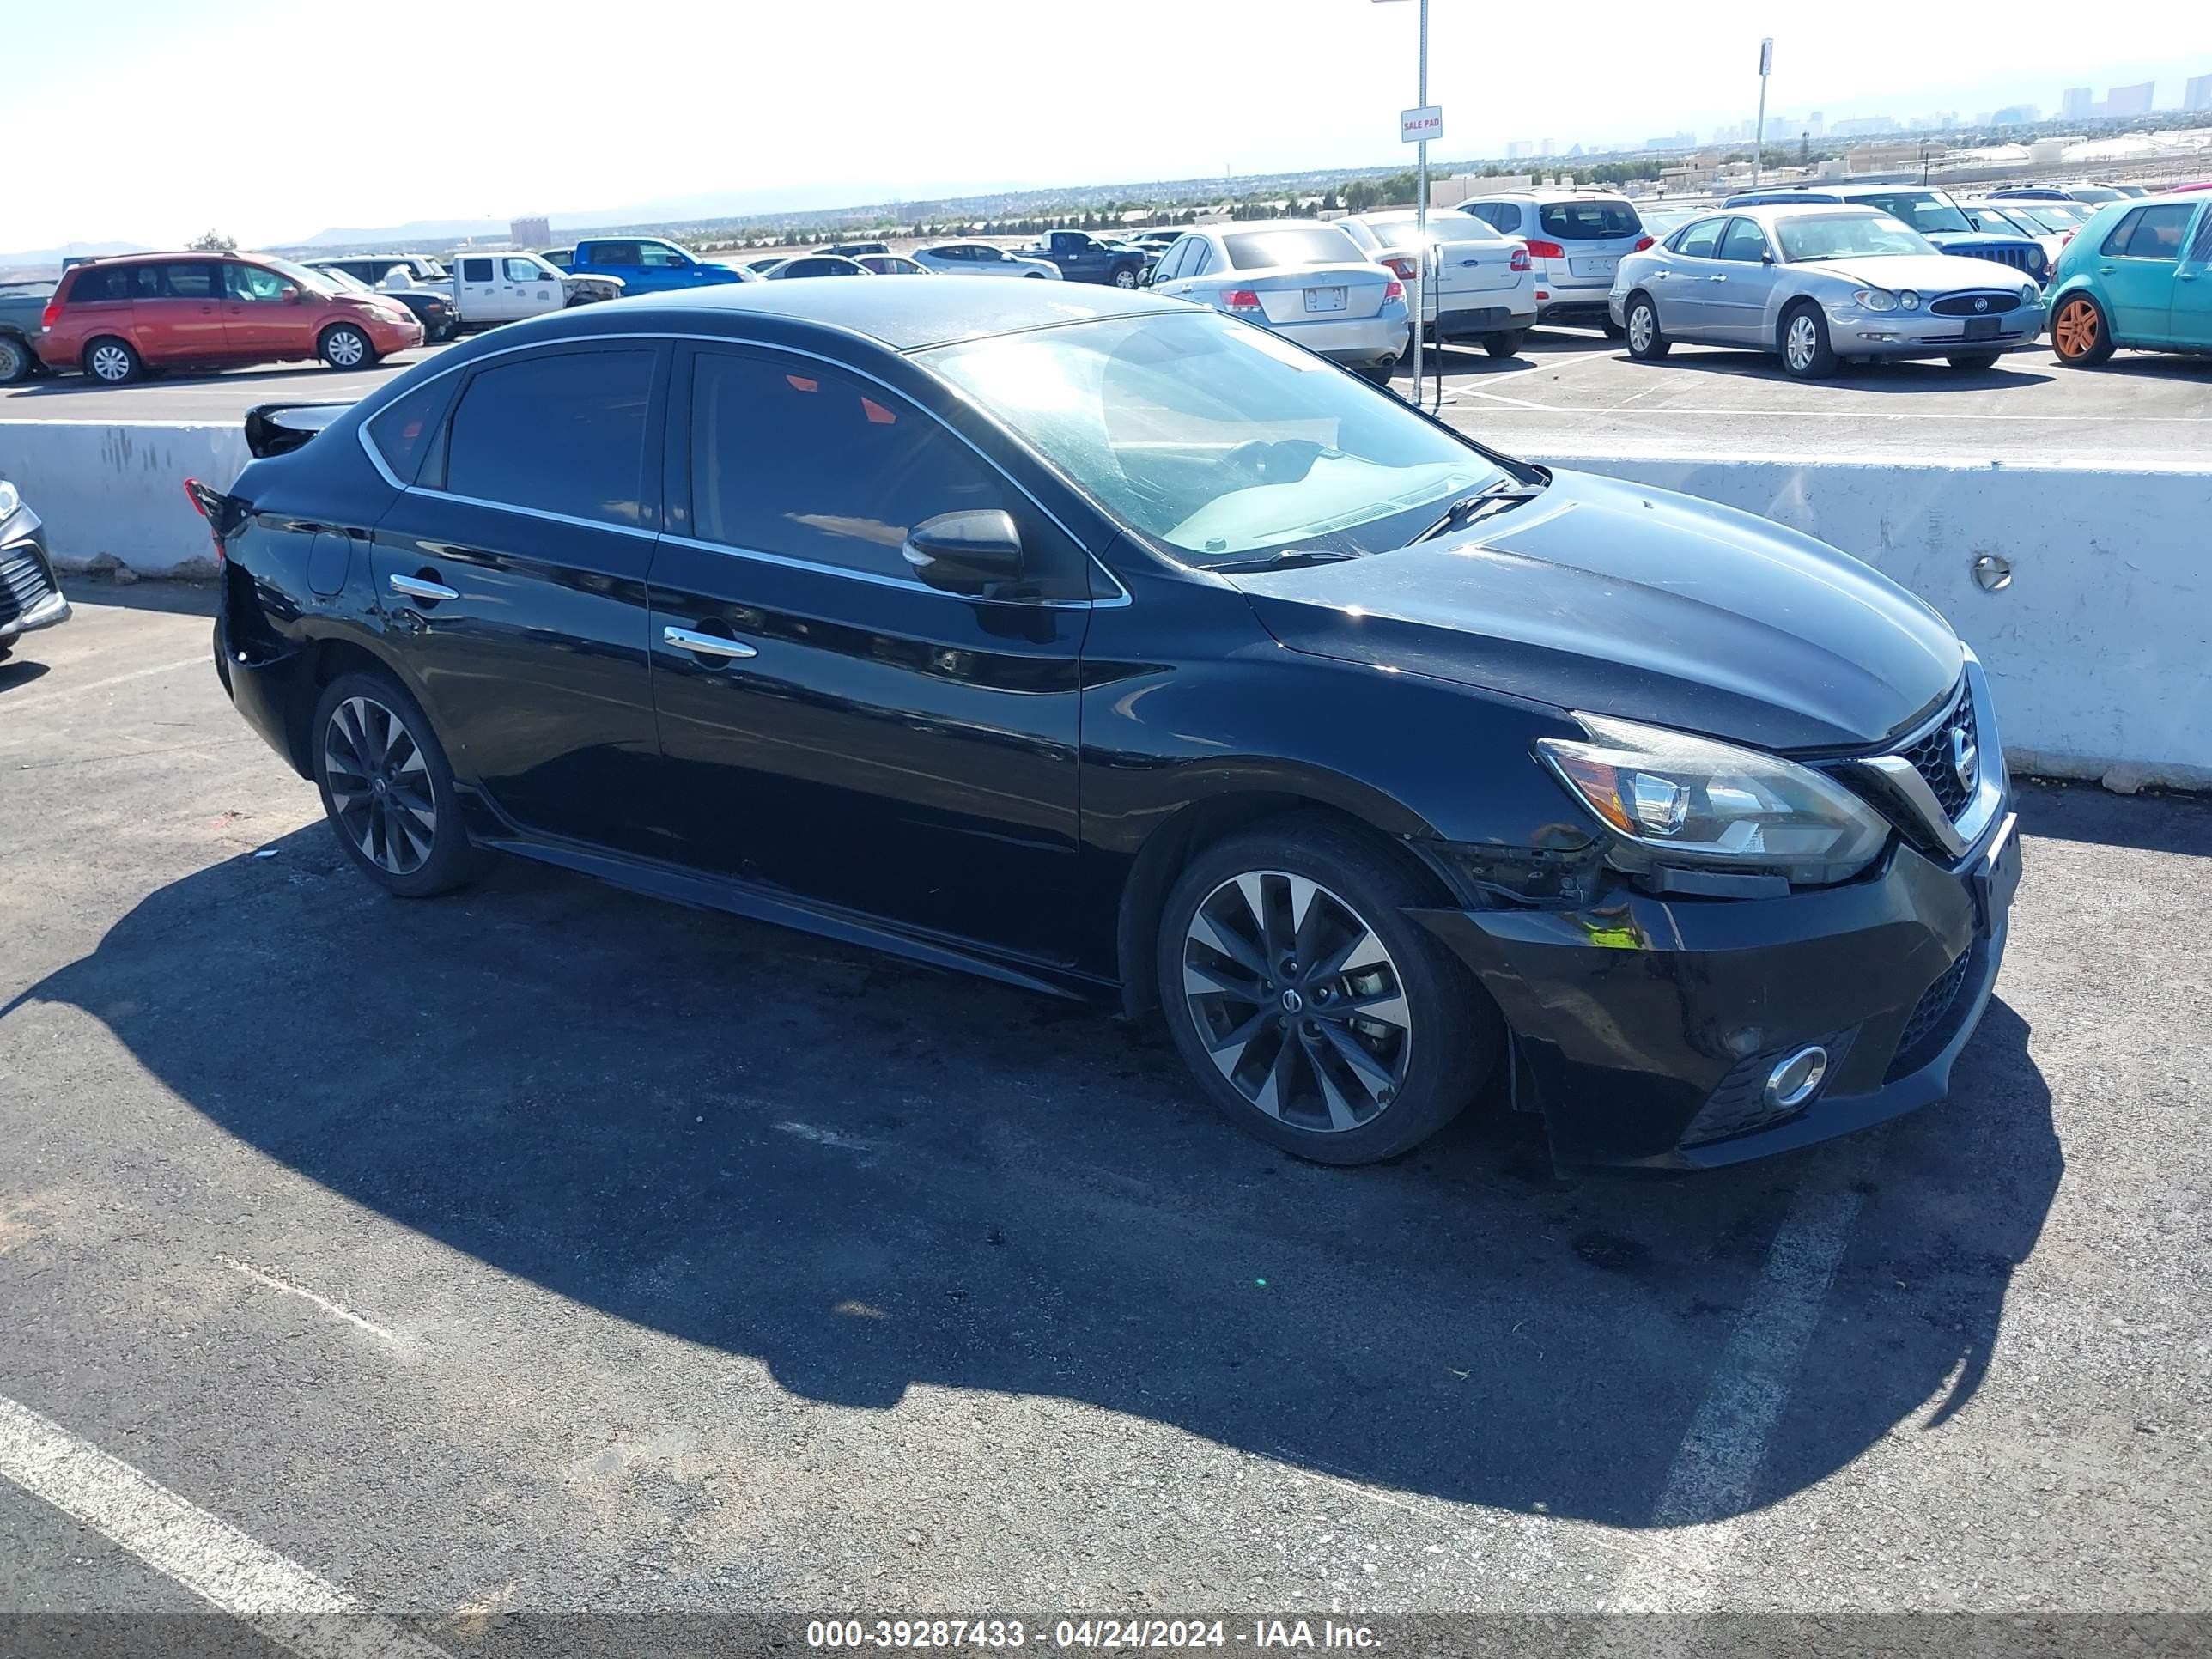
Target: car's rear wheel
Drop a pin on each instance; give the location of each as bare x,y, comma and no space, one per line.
16,361
1806,352
1645,342
1974,359
1313,1013
112,361
386,787
1613,330
2080,334
1379,373
344,346
1506,344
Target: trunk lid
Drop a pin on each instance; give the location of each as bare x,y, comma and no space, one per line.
1301,294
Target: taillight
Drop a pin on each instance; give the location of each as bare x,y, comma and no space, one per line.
1642,242
1520,260
1403,267
1242,300
1393,290
52,313
1547,250
200,495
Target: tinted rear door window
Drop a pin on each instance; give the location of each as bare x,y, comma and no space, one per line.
614,253
1702,240
476,270
1588,222
563,433
191,279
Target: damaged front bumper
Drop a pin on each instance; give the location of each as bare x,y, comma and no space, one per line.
1646,1029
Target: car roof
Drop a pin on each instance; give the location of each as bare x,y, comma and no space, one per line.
1802,210
901,316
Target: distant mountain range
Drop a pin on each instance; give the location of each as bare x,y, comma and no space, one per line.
45,258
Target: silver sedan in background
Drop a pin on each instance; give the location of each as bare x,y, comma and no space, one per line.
1817,284
1307,281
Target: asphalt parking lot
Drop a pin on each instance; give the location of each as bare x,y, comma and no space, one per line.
548,1249
1568,391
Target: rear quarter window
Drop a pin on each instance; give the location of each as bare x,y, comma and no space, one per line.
95,285
1592,221
407,430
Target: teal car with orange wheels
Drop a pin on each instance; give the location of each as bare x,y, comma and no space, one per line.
2137,275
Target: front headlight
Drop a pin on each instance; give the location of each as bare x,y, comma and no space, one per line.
1674,799
2029,294
1909,300
1875,299
9,500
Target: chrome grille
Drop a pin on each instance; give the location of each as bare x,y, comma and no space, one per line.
1975,305
23,583
1931,757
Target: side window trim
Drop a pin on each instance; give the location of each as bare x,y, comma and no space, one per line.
677,486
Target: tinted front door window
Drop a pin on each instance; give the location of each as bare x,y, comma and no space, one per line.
888,748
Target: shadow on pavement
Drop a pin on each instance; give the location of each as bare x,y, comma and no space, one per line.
2012,372
869,1176
15,671
2087,812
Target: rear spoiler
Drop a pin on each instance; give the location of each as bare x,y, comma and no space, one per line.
279,429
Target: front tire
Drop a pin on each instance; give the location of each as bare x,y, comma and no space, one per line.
1125,277
2080,333
1974,359
1312,1012
17,361
1507,344
112,361
1646,344
1806,353
386,788
344,346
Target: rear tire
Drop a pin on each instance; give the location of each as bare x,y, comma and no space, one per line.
1646,344
1974,359
2080,333
1377,374
112,361
17,361
1370,1046
386,788
1613,330
345,346
1507,344
1804,341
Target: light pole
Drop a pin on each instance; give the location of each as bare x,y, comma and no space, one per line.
1759,138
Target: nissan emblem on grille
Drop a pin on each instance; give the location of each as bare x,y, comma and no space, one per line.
1966,756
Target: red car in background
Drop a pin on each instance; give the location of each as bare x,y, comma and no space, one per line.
116,318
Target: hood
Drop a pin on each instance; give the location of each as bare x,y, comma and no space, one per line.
1639,603
1930,273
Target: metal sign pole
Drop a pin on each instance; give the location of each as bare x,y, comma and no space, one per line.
1421,214
1759,139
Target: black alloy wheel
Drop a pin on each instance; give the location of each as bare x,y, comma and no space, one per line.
386,787
1312,1012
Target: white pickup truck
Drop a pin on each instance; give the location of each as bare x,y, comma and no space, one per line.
484,288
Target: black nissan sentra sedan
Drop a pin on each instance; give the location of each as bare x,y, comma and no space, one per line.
1113,647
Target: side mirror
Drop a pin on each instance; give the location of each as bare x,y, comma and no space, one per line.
289,294
970,553
1766,258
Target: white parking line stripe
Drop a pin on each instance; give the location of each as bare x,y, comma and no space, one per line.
284,1602
77,693
1718,1463
336,1309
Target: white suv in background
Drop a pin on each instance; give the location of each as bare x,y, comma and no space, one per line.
1576,241
981,259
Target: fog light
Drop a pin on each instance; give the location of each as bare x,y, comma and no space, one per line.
1794,1081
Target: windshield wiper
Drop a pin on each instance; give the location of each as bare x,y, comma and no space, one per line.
1506,492
1289,559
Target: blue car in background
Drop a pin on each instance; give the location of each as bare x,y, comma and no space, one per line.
1933,213
646,265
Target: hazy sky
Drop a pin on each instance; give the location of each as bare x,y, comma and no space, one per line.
273,119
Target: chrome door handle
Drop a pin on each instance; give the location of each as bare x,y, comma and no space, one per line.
1716,279
416,588
706,645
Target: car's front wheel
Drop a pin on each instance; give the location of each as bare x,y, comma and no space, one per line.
386,787
1806,352
1314,1013
344,346
1126,276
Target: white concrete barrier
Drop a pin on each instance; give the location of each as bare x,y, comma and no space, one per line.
2099,649
114,491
